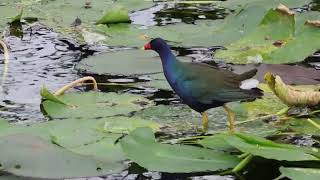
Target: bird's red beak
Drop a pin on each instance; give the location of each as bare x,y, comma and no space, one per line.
147,46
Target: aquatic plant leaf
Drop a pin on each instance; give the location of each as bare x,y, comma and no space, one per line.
28,156
232,28
299,173
4,124
299,48
125,124
158,81
290,95
127,62
83,136
276,26
216,142
72,133
268,149
47,95
172,158
238,4
93,105
301,126
116,14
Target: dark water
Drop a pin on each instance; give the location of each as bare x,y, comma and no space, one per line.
40,57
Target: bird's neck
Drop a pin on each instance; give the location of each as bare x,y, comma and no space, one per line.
167,57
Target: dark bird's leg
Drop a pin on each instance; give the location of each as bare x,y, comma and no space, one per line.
205,121
231,117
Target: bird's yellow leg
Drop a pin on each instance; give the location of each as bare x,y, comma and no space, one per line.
205,121
231,117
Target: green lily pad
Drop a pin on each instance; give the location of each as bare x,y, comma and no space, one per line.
117,14
83,136
216,142
128,62
172,158
28,156
302,46
275,26
300,173
125,124
158,81
265,148
238,4
301,126
94,105
86,132
232,28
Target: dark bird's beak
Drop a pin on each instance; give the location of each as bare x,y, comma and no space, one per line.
147,46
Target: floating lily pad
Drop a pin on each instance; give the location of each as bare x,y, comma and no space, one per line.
128,62
86,132
275,26
83,136
125,124
300,173
28,156
94,105
301,126
158,81
293,51
265,148
274,41
172,158
117,14
232,28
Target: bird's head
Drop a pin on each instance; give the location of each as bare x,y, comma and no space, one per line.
156,44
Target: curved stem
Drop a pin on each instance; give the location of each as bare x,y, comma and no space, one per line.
76,83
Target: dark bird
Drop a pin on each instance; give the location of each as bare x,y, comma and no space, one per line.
202,86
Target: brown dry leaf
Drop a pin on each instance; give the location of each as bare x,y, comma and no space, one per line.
284,9
292,96
315,23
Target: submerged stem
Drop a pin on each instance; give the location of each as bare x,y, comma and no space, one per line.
76,83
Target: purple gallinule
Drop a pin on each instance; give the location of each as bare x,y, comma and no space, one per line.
202,86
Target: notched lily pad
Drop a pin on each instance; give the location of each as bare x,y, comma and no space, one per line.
94,105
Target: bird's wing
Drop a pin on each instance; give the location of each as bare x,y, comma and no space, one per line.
207,83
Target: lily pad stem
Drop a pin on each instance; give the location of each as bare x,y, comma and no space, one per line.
76,83
243,163
5,52
313,123
6,61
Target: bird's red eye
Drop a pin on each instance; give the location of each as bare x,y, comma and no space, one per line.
147,46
